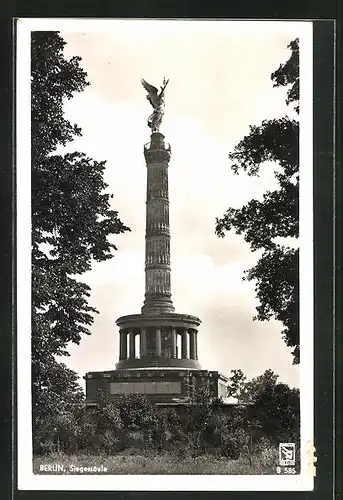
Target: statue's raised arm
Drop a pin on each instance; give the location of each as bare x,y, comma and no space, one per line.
156,100
163,87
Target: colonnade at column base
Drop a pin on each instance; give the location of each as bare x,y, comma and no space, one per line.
165,340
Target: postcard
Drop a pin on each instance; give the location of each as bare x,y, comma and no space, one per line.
164,189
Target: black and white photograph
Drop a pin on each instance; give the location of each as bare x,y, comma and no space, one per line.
164,189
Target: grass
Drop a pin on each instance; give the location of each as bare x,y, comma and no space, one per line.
163,463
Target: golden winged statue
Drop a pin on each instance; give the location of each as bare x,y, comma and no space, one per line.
156,100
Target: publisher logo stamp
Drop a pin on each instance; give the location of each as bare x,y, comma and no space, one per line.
287,454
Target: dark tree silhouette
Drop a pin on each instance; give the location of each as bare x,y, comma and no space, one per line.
71,222
273,408
277,215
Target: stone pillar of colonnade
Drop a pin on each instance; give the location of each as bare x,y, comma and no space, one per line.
158,342
142,335
196,343
192,346
132,353
174,342
122,344
184,346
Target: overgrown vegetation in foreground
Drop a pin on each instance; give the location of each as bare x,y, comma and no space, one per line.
132,435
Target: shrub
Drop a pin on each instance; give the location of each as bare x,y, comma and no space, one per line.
56,433
266,460
137,439
203,427
86,430
107,416
235,443
136,411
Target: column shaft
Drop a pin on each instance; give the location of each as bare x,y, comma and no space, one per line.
184,353
158,342
191,344
120,345
157,247
173,336
123,344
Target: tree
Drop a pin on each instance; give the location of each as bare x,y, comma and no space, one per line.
72,218
247,391
273,407
277,411
276,273
57,396
259,385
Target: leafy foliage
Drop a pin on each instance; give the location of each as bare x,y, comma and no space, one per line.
56,397
277,409
136,411
248,391
72,219
234,443
277,215
131,422
279,296
287,75
254,388
273,407
236,384
53,79
59,393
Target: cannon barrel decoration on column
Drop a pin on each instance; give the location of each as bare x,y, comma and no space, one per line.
159,367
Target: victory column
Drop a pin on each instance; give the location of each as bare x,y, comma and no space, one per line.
160,370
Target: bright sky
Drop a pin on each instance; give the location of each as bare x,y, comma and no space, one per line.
219,85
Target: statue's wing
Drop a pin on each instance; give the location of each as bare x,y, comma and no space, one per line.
152,91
